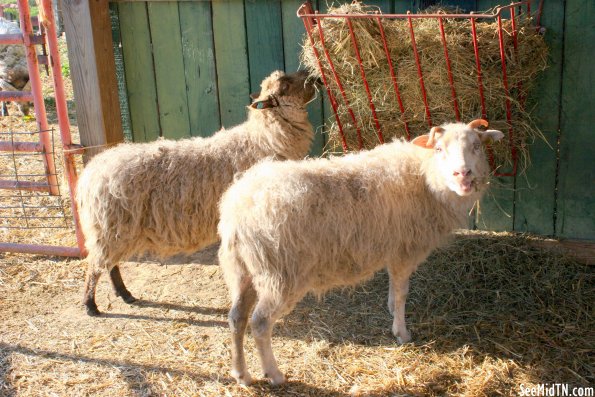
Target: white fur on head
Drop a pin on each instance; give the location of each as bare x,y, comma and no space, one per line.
458,162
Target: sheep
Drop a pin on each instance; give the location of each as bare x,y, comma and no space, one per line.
296,227
161,198
14,73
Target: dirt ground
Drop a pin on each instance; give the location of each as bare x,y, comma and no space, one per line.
488,314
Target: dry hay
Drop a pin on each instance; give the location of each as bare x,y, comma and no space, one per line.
523,66
487,314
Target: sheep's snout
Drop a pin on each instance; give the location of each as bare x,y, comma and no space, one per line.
463,172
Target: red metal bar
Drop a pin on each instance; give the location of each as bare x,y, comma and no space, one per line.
539,12
366,86
416,16
25,185
419,71
17,38
13,38
63,121
341,89
11,146
19,96
308,25
455,102
40,249
478,67
35,80
507,94
393,77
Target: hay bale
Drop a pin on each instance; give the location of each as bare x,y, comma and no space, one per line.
523,65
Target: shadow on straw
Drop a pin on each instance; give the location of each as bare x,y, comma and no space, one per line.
189,321
8,349
189,309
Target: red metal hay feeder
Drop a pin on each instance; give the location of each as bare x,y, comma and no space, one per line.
313,22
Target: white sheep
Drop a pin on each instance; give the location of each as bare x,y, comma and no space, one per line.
14,73
162,197
308,226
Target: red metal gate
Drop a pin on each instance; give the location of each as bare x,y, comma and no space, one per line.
34,200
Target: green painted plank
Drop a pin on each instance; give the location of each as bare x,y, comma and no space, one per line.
164,20
576,198
386,6
293,37
264,33
140,76
402,6
496,209
199,67
535,196
232,60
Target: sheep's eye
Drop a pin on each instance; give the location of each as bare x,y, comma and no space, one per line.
438,149
476,146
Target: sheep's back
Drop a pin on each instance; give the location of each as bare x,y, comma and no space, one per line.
333,222
159,197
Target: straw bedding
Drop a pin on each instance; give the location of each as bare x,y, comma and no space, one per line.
488,313
523,65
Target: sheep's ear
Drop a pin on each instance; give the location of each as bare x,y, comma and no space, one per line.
489,136
428,141
254,95
422,141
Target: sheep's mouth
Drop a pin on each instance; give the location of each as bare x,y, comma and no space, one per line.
464,187
467,186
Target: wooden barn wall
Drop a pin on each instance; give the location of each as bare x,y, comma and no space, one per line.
191,65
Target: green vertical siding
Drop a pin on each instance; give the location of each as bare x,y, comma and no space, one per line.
164,21
576,201
231,52
535,194
264,25
140,75
200,67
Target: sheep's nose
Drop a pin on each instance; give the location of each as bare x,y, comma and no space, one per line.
464,172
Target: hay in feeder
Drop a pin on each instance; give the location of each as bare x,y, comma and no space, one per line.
523,64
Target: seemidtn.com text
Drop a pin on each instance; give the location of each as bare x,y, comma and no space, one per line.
556,390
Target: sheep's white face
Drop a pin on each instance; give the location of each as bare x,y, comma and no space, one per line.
458,154
293,89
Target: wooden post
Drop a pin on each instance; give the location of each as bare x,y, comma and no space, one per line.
92,69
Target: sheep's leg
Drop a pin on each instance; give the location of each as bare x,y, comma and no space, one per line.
243,300
399,285
119,287
91,280
391,295
263,319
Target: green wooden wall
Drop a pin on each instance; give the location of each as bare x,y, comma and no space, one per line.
189,67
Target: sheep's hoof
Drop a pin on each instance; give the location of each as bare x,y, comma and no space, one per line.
403,337
129,298
93,311
276,379
242,379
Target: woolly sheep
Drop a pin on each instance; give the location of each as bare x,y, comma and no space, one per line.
14,74
308,226
161,197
